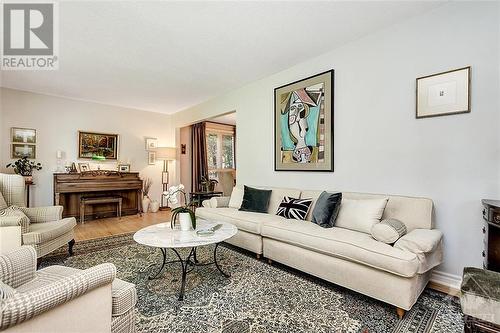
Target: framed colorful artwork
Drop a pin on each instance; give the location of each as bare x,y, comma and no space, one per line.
303,124
443,93
97,144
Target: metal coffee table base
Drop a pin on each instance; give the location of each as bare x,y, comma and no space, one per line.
188,264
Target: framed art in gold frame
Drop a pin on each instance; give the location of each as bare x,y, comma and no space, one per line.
303,124
97,144
443,94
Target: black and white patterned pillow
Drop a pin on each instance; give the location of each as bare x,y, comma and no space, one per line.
291,208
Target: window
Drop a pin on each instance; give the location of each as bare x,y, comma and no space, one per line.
220,148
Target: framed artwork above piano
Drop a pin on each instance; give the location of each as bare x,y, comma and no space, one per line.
69,188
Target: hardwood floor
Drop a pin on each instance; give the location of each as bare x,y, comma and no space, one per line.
114,226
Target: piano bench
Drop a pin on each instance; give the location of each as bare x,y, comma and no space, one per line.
100,200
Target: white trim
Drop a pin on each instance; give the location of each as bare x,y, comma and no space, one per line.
446,279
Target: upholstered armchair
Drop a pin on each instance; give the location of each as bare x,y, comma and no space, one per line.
60,299
41,227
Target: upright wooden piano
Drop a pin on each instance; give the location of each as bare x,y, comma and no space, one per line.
69,188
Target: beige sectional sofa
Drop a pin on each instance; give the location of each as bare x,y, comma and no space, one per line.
395,274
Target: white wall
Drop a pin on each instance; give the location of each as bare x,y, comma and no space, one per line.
57,121
379,145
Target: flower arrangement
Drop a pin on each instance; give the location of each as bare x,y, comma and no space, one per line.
171,196
24,167
146,186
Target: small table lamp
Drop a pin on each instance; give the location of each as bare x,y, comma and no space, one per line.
165,154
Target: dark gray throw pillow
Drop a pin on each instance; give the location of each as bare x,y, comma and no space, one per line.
255,200
326,209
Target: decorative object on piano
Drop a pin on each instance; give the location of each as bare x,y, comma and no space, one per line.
151,143
443,94
151,157
146,187
154,206
165,154
73,169
23,150
124,167
207,184
25,168
23,135
97,145
185,213
83,167
59,161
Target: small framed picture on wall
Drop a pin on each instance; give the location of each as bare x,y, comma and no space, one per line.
443,94
151,143
151,157
23,150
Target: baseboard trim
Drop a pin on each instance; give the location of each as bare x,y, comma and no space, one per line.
445,282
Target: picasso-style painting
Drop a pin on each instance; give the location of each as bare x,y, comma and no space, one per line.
304,124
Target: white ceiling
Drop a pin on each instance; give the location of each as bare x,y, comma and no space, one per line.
167,56
228,118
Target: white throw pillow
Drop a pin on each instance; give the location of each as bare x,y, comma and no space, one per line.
236,198
360,215
388,231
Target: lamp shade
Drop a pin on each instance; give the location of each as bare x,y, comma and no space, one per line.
166,153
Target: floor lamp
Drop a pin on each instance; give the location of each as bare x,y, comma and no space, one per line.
165,154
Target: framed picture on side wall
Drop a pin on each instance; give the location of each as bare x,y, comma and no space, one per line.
23,135
151,157
303,124
22,150
443,94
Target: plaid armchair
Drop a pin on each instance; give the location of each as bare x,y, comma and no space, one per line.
41,227
62,299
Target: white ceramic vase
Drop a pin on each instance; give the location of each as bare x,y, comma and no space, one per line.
185,221
145,204
154,206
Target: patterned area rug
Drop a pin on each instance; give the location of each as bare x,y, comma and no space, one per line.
257,297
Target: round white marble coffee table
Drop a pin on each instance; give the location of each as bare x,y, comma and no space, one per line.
162,236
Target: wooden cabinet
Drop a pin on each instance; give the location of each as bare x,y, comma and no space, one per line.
69,188
491,232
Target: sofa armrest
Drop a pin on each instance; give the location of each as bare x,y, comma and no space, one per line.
420,241
10,221
43,214
18,267
23,306
216,202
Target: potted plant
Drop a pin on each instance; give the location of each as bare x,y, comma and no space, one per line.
207,184
185,213
146,186
25,167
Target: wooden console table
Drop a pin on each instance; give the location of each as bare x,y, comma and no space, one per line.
69,188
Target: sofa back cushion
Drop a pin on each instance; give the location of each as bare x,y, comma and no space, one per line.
277,196
255,200
414,212
360,214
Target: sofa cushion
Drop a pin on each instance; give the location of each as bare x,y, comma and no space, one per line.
291,208
277,196
246,221
327,209
388,231
360,215
255,200
236,198
46,231
343,243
